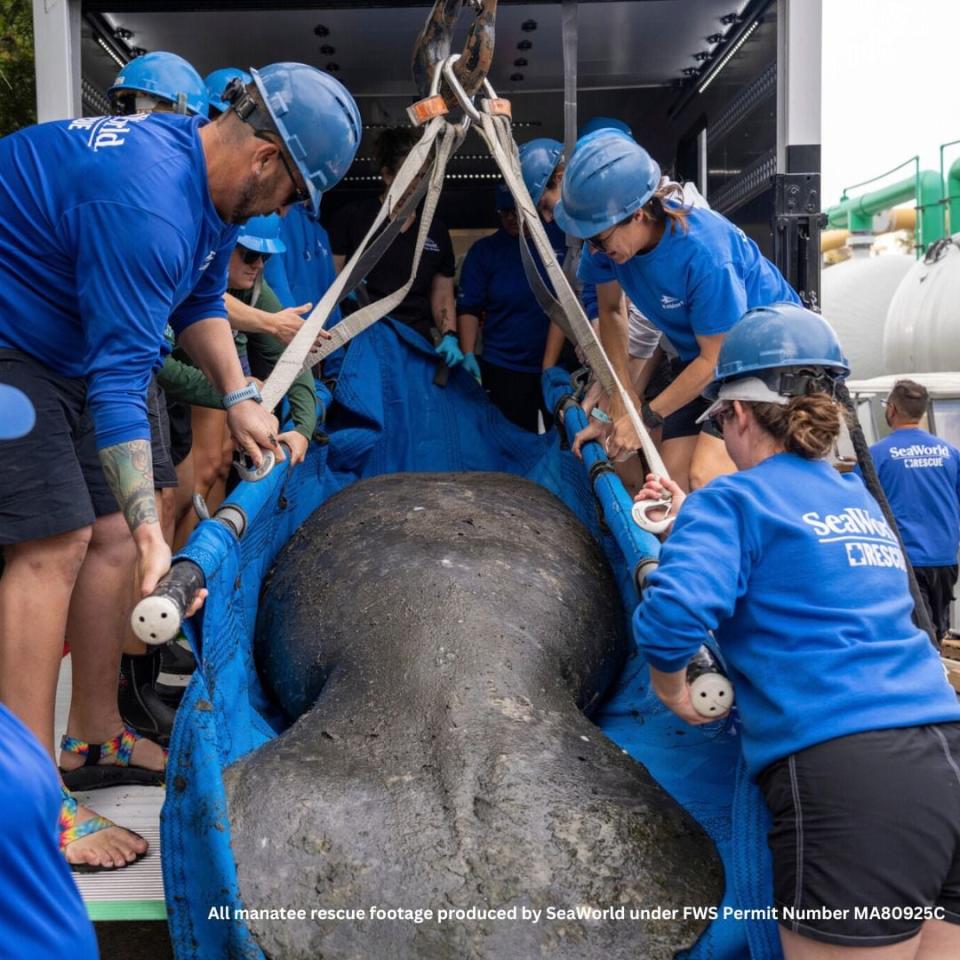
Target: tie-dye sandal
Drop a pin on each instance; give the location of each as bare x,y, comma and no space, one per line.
94,775
71,830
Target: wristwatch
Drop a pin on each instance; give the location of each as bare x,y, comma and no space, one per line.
249,392
651,419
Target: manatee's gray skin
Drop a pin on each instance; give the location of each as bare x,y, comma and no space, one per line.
439,635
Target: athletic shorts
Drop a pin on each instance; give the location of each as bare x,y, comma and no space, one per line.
866,835
51,481
682,422
164,474
181,430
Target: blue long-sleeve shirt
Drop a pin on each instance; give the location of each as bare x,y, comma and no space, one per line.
701,281
920,475
796,572
107,232
304,272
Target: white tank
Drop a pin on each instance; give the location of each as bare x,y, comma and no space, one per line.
856,296
922,332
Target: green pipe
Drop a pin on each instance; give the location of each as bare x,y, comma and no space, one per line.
856,213
953,195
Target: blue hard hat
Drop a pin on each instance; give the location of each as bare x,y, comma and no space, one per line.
608,178
604,123
217,81
505,199
538,160
317,119
262,234
773,338
17,415
165,76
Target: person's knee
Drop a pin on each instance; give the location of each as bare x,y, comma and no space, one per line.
112,542
59,557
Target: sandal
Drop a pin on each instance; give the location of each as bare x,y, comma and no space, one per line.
94,775
70,830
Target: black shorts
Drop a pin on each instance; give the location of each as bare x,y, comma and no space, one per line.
164,474
682,422
51,481
181,430
868,827
936,587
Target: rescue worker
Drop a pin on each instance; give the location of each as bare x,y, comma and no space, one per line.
81,325
541,164
494,288
430,303
258,241
159,81
848,724
691,272
920,475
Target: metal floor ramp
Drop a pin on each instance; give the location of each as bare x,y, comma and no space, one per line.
135,892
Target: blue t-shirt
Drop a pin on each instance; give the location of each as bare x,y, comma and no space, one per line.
800,578
304,272
107,232
698,282
920,474
41,914
493,285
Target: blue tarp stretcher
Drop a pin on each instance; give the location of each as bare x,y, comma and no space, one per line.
387,416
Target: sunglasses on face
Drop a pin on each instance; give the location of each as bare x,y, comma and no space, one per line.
250,257
719,418
600,241
297,195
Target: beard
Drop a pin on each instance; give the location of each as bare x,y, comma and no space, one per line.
251,202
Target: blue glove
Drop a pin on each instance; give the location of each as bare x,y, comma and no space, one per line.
449,350
472,367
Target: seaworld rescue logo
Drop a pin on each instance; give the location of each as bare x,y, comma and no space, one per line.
920,455
868,540
107,131
671,303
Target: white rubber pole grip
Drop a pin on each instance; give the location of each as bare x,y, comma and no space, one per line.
156,620
711,694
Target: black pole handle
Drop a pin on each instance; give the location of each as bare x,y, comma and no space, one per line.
157,618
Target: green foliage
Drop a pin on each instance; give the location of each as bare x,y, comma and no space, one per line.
17,83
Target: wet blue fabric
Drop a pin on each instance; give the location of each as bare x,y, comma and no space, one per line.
303,273
41,914
920,474
381,423
107,233
698,281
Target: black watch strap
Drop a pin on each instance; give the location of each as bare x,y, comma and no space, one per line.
651,419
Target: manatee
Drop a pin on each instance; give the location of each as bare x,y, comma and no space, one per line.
435,641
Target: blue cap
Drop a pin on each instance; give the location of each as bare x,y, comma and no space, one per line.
605,123
609,177
317,120
216,82
505,199
538,160
774,337
164,76
17,415
262,234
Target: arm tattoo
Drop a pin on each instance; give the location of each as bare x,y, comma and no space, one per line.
128,468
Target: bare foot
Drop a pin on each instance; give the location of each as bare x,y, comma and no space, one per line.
110,848
146,754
